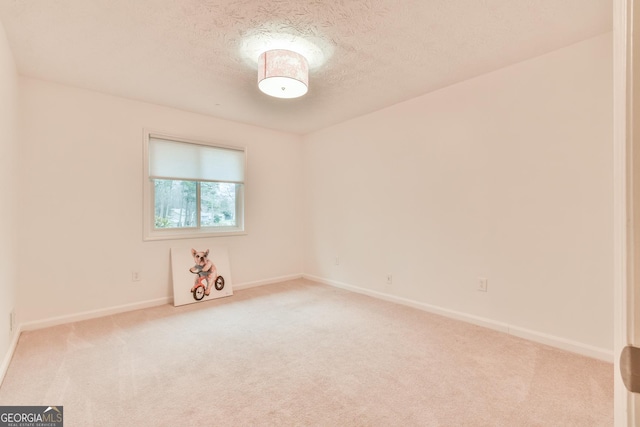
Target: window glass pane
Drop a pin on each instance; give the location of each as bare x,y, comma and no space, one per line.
218,203
175,203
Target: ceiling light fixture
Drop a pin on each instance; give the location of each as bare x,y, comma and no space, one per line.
283,73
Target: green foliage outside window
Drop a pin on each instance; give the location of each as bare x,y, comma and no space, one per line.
176,204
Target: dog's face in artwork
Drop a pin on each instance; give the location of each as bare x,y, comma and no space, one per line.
200,258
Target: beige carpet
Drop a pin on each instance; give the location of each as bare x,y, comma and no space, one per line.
298,354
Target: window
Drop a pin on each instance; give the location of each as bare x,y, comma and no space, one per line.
192,189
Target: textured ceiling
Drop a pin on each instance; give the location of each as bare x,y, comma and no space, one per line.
192,54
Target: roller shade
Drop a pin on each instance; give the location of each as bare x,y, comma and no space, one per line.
194,162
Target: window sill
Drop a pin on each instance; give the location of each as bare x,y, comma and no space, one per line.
174,235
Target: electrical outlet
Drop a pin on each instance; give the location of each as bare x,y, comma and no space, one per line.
483,284
12,320
337,261
389,279
135,276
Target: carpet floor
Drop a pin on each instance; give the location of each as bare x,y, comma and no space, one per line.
299,353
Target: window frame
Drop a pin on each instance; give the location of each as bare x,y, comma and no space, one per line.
150,232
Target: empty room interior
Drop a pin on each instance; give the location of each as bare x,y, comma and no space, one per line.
411,203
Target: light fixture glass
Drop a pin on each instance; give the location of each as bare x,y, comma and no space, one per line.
283,73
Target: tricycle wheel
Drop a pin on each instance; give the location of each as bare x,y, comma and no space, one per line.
219,283
198,293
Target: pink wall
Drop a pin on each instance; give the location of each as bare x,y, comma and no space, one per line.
506,176
81,186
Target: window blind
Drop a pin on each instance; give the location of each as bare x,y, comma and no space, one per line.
194,162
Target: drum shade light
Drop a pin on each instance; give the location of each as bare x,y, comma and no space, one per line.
283,73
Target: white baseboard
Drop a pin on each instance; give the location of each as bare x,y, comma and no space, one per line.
561,343
241,286
539,337
7,358
92,314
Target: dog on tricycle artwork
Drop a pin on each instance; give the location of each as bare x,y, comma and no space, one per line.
206,275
